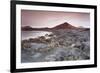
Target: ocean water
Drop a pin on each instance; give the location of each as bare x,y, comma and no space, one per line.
33,34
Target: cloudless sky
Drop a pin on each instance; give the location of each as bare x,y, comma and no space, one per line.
39,19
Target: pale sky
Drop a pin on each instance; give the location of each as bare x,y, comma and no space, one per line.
40,19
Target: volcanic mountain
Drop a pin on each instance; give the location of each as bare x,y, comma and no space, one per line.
60,26
64,26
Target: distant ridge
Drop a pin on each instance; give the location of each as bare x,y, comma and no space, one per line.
64,25
29,28
26,28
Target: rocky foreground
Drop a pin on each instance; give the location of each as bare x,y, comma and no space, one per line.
61,45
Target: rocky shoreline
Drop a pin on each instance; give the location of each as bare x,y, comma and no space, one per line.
61,45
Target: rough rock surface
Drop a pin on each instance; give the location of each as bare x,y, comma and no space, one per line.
62,45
